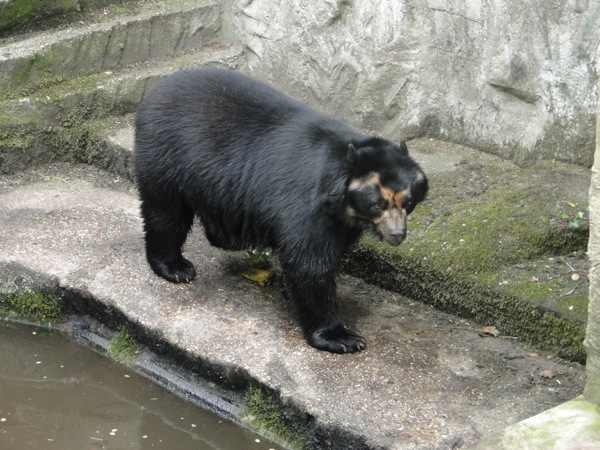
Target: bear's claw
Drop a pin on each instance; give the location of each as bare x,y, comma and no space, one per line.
179,271
337,340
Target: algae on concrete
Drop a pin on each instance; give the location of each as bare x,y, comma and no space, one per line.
21,12
462,296
44,308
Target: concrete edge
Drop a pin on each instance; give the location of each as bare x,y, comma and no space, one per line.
572,425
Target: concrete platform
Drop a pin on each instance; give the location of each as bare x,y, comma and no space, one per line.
427,380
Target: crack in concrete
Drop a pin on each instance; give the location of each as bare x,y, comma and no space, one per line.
452,13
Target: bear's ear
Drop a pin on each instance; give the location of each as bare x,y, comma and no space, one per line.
356,155
352,154
403,148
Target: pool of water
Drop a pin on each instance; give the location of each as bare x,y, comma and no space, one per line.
55,394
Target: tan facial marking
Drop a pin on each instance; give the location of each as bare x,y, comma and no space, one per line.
393,199
398,199
388,195
358,183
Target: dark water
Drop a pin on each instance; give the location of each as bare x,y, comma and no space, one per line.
55,394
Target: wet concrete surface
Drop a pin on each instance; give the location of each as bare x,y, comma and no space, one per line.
426,380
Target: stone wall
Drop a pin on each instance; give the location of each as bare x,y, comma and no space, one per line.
513,78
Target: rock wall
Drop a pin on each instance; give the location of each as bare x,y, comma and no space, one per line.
516,79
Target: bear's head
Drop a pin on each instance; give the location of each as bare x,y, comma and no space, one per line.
385,186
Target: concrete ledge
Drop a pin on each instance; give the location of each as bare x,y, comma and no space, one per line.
574,425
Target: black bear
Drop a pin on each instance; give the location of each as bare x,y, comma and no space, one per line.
262,170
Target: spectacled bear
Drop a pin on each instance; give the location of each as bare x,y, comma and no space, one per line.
263,170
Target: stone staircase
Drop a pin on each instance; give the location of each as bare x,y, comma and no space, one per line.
64,91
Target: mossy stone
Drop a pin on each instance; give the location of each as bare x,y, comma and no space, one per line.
44,308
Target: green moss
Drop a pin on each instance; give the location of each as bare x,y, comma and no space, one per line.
579,302
81,84
534,291
479,237
16,142
123,347
31,306
22,12
264,413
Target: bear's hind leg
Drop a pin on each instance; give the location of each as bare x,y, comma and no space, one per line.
167,223
315,298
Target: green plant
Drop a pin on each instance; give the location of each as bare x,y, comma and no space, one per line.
574,219
258,258
123,347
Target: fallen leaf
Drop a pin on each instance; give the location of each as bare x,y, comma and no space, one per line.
533,354
260,276
491,331
547,374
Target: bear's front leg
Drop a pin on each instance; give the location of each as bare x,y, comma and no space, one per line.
167,221
316,301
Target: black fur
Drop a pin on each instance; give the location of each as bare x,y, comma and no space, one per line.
261,169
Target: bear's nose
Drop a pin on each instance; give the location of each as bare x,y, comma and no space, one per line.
398,233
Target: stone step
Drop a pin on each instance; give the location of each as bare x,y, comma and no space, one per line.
154,30
107,144
57,122
109,92
48,13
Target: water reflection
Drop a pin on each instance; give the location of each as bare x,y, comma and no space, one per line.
57,395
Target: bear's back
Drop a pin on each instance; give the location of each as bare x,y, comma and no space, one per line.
222,98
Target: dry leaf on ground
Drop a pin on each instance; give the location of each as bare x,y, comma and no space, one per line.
260,276
490,331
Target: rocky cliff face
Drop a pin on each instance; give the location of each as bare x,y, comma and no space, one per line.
513,78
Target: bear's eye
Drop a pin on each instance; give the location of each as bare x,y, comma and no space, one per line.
376,207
